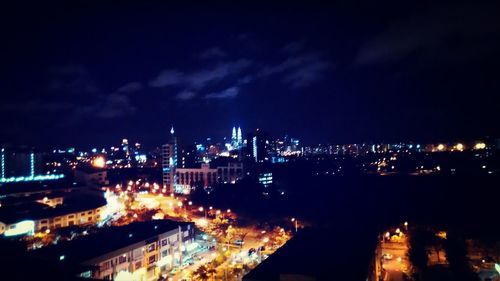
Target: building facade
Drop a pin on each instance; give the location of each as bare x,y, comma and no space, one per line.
169,162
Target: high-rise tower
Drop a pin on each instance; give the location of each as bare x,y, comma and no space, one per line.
169,161
239,138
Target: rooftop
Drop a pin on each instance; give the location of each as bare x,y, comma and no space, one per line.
322,254
35,211
108,240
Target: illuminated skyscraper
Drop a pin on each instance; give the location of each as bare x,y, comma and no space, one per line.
257,146
125,148
169,162
233,135
239,138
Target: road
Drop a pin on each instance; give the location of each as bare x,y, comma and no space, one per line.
398,263
216,225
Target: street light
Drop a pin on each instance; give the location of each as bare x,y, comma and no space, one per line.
228,210
406,225
296,221
201,210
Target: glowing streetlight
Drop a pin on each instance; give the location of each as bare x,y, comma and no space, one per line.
296,223
398,231
406,225
480,145
99,162
228,211
179,204
190,203
217,212
440,147
200,209
265,240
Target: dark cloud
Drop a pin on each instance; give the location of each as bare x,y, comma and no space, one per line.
429,33
130,88
185,95
299,71
106,107
71,79
307,74
167,77
199,79
293,47
229,93
214,52
33,106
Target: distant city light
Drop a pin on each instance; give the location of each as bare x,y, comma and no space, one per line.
32,178
99,162
480,145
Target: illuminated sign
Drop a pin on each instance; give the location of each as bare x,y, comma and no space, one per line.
32,178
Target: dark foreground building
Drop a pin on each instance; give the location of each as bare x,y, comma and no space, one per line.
319,254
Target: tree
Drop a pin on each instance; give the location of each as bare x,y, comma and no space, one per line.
417,253
202,273
456,253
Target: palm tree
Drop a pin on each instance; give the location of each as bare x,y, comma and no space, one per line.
202,273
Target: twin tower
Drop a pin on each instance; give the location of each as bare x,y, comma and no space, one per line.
237,138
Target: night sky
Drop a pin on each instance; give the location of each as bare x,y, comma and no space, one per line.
91,74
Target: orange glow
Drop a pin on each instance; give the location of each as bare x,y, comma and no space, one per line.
99,162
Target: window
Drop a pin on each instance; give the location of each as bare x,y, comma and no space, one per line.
151,247
138,265
122,259
152,259
105,266
164,253
71,216
44,222
58,225
164,242
70,223
186,233
89,213
58,219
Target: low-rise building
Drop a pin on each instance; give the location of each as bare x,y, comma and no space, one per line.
30,217
91,176
230,172
138,251
191,176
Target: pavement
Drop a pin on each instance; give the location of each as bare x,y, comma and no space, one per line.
237,255
398,264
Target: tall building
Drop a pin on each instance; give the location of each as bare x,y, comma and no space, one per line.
239,138
126,149
236,138
169,161
257,146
